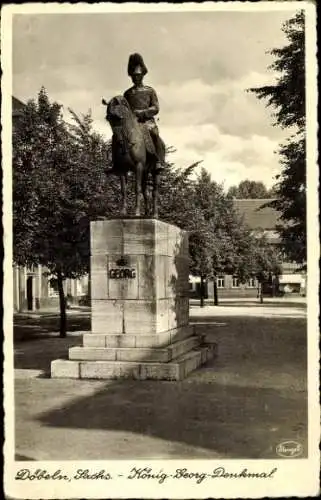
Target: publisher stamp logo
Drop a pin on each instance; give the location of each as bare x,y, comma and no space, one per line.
289,449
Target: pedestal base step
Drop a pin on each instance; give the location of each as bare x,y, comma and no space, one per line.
148,354
137,370
138,340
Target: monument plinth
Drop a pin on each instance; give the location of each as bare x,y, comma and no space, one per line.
140,305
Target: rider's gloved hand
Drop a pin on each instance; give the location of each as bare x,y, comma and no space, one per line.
140,114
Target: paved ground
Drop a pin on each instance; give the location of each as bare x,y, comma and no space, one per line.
251,398
252,308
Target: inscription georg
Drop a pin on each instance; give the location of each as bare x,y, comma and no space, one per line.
123,273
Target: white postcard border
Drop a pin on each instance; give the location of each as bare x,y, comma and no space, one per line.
299,477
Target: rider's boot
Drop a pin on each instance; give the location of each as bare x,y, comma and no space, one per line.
160,167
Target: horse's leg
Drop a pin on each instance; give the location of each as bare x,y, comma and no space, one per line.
155,192
139,178
123,186
144,189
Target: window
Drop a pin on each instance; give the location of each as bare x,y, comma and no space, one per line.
80,288
220,282
235,282
52,287
251,283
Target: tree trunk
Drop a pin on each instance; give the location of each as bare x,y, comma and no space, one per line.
215,292
62,305
89,289
261,292
202,291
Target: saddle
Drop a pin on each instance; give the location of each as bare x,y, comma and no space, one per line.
149,143
121,138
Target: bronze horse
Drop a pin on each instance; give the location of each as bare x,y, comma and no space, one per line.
132,151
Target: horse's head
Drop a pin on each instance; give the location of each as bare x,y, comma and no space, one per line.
117,109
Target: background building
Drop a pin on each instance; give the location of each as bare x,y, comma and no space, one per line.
33,289
265,220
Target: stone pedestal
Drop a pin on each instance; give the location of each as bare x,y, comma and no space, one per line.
140,306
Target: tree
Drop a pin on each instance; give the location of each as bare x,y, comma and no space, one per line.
219,241
175,194
287,98
249,189
264,261
58,186
200,254
202,197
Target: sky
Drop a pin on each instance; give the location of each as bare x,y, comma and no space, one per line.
199,63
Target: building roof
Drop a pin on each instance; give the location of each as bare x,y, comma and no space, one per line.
255,216
16,103
17,106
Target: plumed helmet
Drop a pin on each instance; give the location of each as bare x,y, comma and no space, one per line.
136,62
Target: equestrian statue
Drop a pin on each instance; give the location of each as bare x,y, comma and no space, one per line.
136,144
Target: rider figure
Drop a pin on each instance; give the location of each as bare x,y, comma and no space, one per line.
143,102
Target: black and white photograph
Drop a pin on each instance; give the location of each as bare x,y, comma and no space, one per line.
161,243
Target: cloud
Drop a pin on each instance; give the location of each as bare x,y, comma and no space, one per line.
227,153
225,103
209,44
230,159
200,64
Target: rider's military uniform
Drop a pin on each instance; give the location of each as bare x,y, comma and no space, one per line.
143,99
